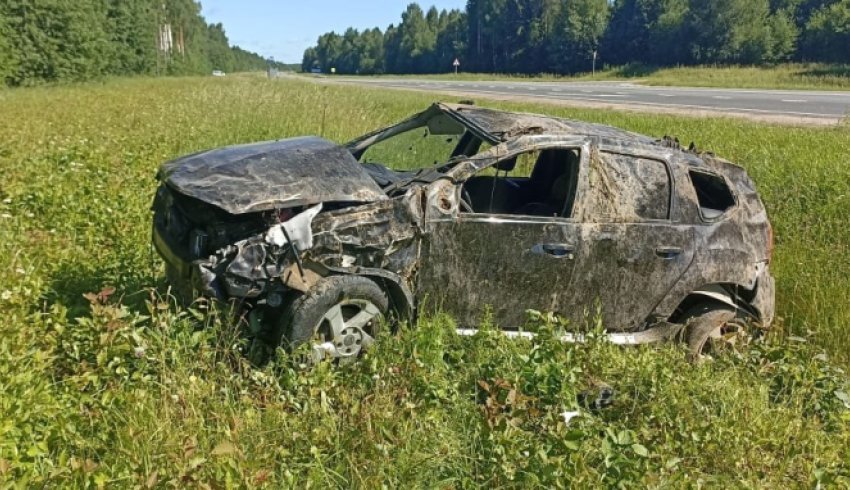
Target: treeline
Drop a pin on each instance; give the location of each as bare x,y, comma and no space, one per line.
72,40
564,36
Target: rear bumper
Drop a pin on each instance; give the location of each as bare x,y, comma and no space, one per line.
765,299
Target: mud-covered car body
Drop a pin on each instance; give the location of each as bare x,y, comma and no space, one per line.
605,224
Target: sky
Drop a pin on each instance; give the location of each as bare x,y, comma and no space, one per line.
283,29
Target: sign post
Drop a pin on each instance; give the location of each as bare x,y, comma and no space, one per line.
595,54
456,64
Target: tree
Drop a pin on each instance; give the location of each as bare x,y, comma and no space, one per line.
55,40
488,26
392,46
827,33
59,40
218,49
578,32
526,28
533,36
416,41
310,60
783,34
667,42
8,56
726,31
131,28
190,34
626,39
372,58
329,50
451,39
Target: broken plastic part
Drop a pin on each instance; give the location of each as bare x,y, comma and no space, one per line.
298,230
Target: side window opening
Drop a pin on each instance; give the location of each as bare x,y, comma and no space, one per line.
713,194
537,183
628,188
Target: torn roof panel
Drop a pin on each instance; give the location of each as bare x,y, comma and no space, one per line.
506,125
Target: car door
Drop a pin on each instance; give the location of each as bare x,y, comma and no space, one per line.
475,264
633,252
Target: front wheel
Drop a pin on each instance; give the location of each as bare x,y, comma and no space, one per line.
340,317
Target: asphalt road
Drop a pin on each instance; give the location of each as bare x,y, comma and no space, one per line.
793,104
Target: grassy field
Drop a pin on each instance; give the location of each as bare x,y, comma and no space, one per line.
812,76
105,383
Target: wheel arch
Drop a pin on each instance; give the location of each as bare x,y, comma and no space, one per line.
400,296
733,295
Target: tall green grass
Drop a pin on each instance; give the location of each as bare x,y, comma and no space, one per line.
123,388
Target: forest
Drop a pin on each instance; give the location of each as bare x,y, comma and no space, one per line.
567,36
63,40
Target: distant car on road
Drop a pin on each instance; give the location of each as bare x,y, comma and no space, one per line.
218,73
468,209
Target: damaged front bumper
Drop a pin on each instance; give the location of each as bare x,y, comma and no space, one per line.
247,269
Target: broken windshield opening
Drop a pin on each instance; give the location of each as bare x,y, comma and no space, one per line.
414,149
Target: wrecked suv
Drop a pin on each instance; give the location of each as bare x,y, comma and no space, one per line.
473,212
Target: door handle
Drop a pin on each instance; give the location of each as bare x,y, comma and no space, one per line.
556,250
668,253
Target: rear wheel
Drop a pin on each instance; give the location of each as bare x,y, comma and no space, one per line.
711,328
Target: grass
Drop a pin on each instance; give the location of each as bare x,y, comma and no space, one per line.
123,389
791,76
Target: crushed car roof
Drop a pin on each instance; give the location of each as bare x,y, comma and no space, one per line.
505,125
272,175
496,126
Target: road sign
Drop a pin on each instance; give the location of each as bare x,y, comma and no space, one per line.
456,64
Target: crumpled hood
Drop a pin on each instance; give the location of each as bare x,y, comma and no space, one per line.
272,175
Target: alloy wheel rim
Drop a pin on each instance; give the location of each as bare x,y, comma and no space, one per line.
346,330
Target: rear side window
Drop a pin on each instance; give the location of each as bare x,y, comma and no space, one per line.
628,188
713,194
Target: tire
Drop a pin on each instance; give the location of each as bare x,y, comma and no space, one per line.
705,326
306,320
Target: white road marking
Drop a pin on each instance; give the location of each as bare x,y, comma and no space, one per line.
689,106
794,100
721,97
